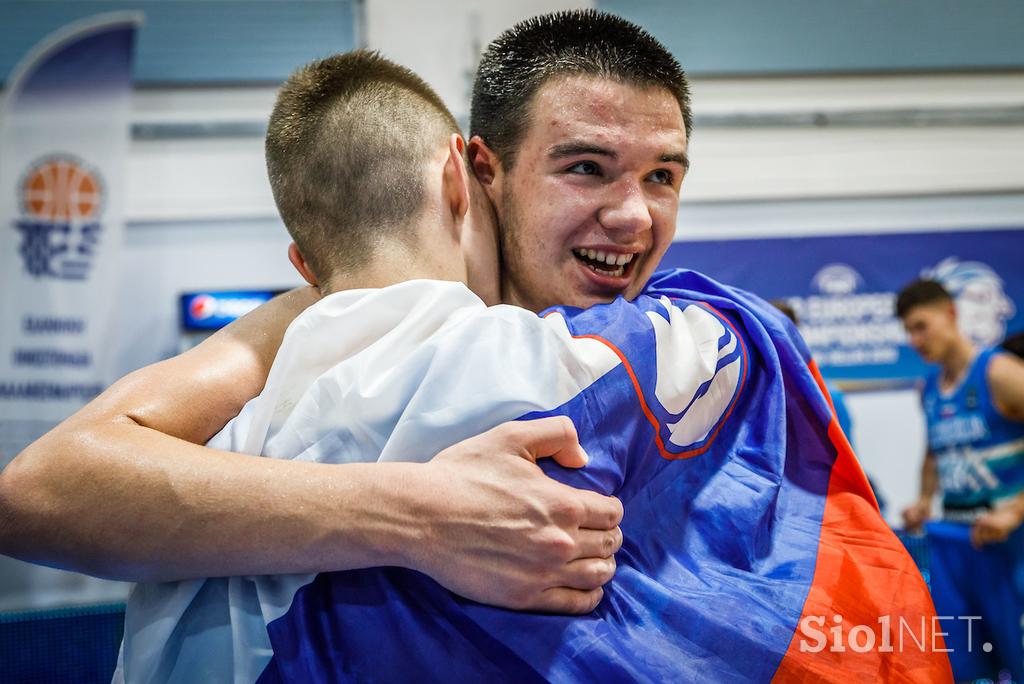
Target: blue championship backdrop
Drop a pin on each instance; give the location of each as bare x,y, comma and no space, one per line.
843,288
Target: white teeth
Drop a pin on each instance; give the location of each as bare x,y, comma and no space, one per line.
617,272
605,257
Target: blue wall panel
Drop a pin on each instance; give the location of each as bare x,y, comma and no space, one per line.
819,36
197,41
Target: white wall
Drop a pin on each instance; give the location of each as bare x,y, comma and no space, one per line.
769,161
161,261
889,438
201,179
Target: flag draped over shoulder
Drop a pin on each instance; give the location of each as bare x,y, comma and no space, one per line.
753,523
752,545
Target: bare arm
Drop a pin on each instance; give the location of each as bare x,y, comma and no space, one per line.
1006,381
920,510
122,490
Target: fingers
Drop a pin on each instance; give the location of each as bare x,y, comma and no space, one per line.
553,437
598,543
587,573
984,532
914,517
569,601
909,518
599,512
977,536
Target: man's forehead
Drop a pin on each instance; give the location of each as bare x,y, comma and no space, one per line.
929,310
604,109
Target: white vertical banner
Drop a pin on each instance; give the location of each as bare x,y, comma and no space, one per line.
64,135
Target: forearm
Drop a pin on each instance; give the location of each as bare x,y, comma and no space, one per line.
111,511
929,478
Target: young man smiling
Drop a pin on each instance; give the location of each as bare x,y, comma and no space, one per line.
582,155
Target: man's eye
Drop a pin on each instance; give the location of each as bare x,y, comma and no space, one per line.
663,176
584,168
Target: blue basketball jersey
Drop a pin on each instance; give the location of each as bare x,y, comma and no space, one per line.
980,453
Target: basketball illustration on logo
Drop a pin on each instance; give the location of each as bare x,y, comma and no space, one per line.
61,189
61,200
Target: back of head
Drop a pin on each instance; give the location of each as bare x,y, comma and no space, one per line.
571,43
347,147
919,293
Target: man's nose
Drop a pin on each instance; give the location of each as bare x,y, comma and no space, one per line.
626,208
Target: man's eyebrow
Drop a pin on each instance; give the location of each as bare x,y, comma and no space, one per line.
676,157
575,148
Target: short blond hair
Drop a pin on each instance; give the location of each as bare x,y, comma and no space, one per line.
345,147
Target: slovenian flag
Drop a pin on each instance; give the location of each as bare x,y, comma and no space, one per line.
753,547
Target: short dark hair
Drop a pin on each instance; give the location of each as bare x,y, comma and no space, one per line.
344,144
920,292
787,309
575,42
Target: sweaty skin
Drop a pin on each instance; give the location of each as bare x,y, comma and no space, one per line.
599,169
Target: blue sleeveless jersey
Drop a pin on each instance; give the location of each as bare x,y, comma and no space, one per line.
980,453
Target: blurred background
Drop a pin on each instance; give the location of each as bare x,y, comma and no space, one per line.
840,150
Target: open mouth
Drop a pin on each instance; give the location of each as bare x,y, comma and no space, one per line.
610,264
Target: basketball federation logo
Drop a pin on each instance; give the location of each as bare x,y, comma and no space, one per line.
982,306
61,200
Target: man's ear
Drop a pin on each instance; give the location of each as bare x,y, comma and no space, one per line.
484,161
456,178
951,309
299,262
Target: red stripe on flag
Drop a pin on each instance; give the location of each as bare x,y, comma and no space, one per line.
863,576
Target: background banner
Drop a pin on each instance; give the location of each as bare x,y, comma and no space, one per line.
64,134
843,289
